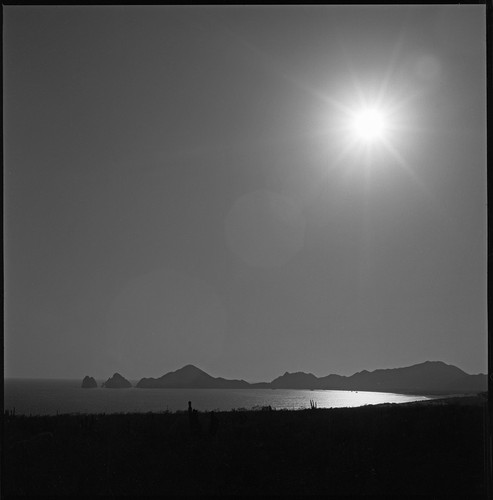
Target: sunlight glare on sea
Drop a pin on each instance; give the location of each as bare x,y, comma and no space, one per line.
47,397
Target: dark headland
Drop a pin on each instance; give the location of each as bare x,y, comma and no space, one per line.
117,382
430,377
434,448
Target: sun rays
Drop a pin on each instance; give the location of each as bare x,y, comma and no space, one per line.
370,126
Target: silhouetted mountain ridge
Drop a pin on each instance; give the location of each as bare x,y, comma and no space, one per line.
427,377
190,377
297,380
117,382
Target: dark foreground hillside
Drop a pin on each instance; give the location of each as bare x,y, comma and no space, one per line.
420,448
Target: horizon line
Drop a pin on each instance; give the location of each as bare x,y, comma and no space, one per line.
218,376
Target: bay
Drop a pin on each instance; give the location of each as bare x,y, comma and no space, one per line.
49,397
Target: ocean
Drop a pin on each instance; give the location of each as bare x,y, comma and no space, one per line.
49,397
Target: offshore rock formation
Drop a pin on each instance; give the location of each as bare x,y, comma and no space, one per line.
117,382
88,383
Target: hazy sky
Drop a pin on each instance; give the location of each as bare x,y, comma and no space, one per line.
180,188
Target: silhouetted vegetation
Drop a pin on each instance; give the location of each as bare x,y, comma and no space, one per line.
427,448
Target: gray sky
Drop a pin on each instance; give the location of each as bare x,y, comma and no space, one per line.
180,188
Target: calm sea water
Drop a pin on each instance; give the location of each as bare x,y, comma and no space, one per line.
47,397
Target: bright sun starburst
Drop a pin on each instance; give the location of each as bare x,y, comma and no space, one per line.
369,125
368,132
370,122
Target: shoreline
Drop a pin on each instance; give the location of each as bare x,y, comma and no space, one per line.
469,399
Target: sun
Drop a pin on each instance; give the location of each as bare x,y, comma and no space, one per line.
369,125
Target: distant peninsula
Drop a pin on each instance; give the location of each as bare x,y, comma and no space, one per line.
191,377
430,377
117,382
